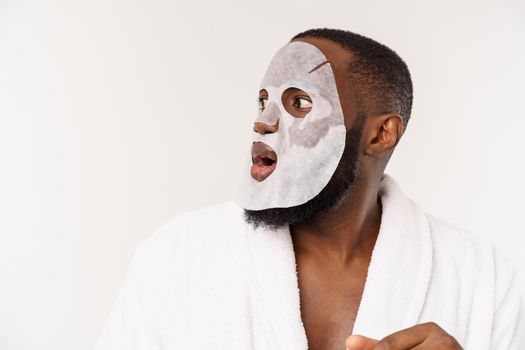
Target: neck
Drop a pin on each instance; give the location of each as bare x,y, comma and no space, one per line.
346,232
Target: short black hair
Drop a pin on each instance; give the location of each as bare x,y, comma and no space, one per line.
379,76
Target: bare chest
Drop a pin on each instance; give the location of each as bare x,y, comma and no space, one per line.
329,304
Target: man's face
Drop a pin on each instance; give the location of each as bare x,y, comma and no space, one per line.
299,135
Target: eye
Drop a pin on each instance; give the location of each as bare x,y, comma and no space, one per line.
263,101
296,102
302,102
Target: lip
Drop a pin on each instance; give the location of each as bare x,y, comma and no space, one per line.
264,161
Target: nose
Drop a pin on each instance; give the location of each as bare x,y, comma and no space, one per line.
268,120
263,128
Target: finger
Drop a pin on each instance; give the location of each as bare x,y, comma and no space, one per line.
359,342
406,338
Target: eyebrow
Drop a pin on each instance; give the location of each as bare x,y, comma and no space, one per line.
318,66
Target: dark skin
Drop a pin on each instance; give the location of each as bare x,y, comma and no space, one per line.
333,251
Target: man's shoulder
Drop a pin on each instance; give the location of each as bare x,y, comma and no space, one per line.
457,243
466,250
476,263
447,233
190,249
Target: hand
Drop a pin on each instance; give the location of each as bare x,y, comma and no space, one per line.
422,336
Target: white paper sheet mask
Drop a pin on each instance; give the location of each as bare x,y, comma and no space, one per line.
308,149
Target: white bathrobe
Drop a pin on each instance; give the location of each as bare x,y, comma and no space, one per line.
207,280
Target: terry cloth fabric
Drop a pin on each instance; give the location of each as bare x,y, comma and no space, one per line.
207,280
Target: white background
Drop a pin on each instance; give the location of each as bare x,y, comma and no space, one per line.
117,115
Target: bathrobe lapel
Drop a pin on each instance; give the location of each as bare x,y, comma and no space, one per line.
276,288
400,268
395,288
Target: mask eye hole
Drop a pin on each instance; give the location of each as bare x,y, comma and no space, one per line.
262,100
297,102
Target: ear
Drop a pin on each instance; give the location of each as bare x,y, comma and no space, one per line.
382,133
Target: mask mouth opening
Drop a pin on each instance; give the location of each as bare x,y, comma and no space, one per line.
264,161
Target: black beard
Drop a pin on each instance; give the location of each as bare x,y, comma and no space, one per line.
330,196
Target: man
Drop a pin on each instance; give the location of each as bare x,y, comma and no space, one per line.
321,249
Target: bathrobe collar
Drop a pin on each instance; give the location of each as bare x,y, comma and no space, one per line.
396,284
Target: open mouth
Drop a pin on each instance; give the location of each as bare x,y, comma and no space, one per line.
264,161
